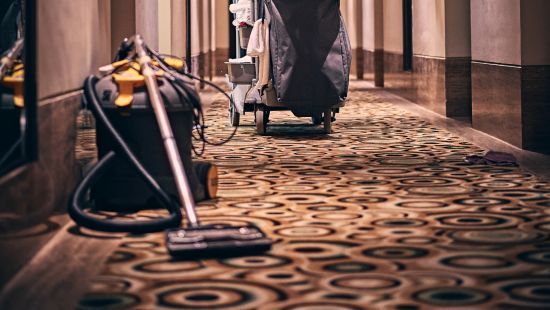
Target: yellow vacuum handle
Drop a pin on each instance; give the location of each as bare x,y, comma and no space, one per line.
17,82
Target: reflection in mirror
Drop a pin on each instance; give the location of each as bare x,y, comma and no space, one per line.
12,105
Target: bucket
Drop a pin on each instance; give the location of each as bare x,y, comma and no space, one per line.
241,73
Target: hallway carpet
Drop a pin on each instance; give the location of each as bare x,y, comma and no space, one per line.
381,214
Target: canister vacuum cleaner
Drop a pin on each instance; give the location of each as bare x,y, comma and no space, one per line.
146,103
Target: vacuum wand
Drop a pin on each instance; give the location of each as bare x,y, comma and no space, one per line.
194,239
182,183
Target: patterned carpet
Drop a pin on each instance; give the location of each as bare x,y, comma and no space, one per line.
382,214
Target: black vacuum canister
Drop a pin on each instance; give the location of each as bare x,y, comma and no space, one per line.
121,188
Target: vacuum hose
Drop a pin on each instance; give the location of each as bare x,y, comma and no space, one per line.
78,203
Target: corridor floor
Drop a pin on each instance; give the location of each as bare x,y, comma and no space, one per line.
381,214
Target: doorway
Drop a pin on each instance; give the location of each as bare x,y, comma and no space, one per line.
407,35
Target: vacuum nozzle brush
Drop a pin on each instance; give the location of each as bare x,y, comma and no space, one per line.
218,241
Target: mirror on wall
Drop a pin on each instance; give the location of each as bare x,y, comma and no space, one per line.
14,87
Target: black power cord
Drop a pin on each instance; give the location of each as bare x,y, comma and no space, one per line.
178,78
200,126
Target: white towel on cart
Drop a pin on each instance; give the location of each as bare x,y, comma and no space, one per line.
242,60
258,46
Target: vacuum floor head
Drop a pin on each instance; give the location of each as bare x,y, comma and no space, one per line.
216,241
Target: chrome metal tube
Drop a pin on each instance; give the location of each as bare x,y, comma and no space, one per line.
178,170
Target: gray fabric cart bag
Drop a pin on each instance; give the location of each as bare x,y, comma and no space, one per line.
310,53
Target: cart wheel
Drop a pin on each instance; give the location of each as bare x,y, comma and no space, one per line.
317,119
234,116
327,121
208,178
262,117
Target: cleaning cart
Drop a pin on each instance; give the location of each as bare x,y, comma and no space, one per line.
309,61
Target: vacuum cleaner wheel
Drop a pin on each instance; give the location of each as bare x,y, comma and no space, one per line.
327,121
234,115
261,118
317,119
208,177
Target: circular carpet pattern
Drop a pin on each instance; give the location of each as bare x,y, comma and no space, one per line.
381,214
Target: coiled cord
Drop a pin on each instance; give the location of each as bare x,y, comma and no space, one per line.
200,126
